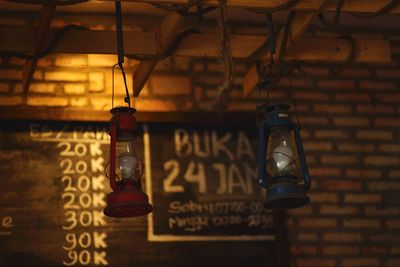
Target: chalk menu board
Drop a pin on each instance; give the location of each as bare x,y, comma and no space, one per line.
200,179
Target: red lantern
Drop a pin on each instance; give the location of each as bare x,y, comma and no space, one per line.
126,168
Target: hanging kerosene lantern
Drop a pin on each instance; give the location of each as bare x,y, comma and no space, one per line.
126,168
282,167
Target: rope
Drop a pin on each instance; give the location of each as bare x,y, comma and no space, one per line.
47,50
225,59
383,10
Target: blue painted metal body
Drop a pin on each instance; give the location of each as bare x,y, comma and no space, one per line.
277,116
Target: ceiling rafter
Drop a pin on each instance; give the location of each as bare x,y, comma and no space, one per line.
164,35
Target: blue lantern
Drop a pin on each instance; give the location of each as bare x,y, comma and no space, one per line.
282,167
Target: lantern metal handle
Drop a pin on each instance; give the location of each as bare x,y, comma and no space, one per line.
307,178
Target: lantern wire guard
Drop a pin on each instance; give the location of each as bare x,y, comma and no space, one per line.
125,168
281,161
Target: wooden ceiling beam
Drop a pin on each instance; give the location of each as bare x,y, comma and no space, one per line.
43,25
165,35
198,45
355,6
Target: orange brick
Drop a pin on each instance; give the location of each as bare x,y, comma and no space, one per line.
96,82
323,197
358,97
353,147
361,262
377,85
295,82
393,263
307,210
78,102
240,106
332,109
340,250
394,174
375,109
316,171
317,146
42,88
65,76
10,100
170,85
332,134
307,237
351,121
381,161
328,159
338,210
155,105
303,250
101,103
69,60
387,122
336,84
354,72
316,71
74,89
6,74
385,238
102,60
373,250
395,250
313,120
341,185
395,224
384,186
382,211
392,148
374,135
389,98
363,173
4,88
181,63
316,262
342,237
362,198
310,96
362,223
388,73
47,101
316,222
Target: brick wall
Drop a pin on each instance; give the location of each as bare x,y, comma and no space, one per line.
351,136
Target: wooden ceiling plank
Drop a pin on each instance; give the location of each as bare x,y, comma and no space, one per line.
199,45
165,35
29,67
303,5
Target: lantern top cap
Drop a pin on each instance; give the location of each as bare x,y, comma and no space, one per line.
272,107
122,110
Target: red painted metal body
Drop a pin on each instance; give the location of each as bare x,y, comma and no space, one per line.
127,198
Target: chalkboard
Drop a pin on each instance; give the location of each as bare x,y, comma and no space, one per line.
200,179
